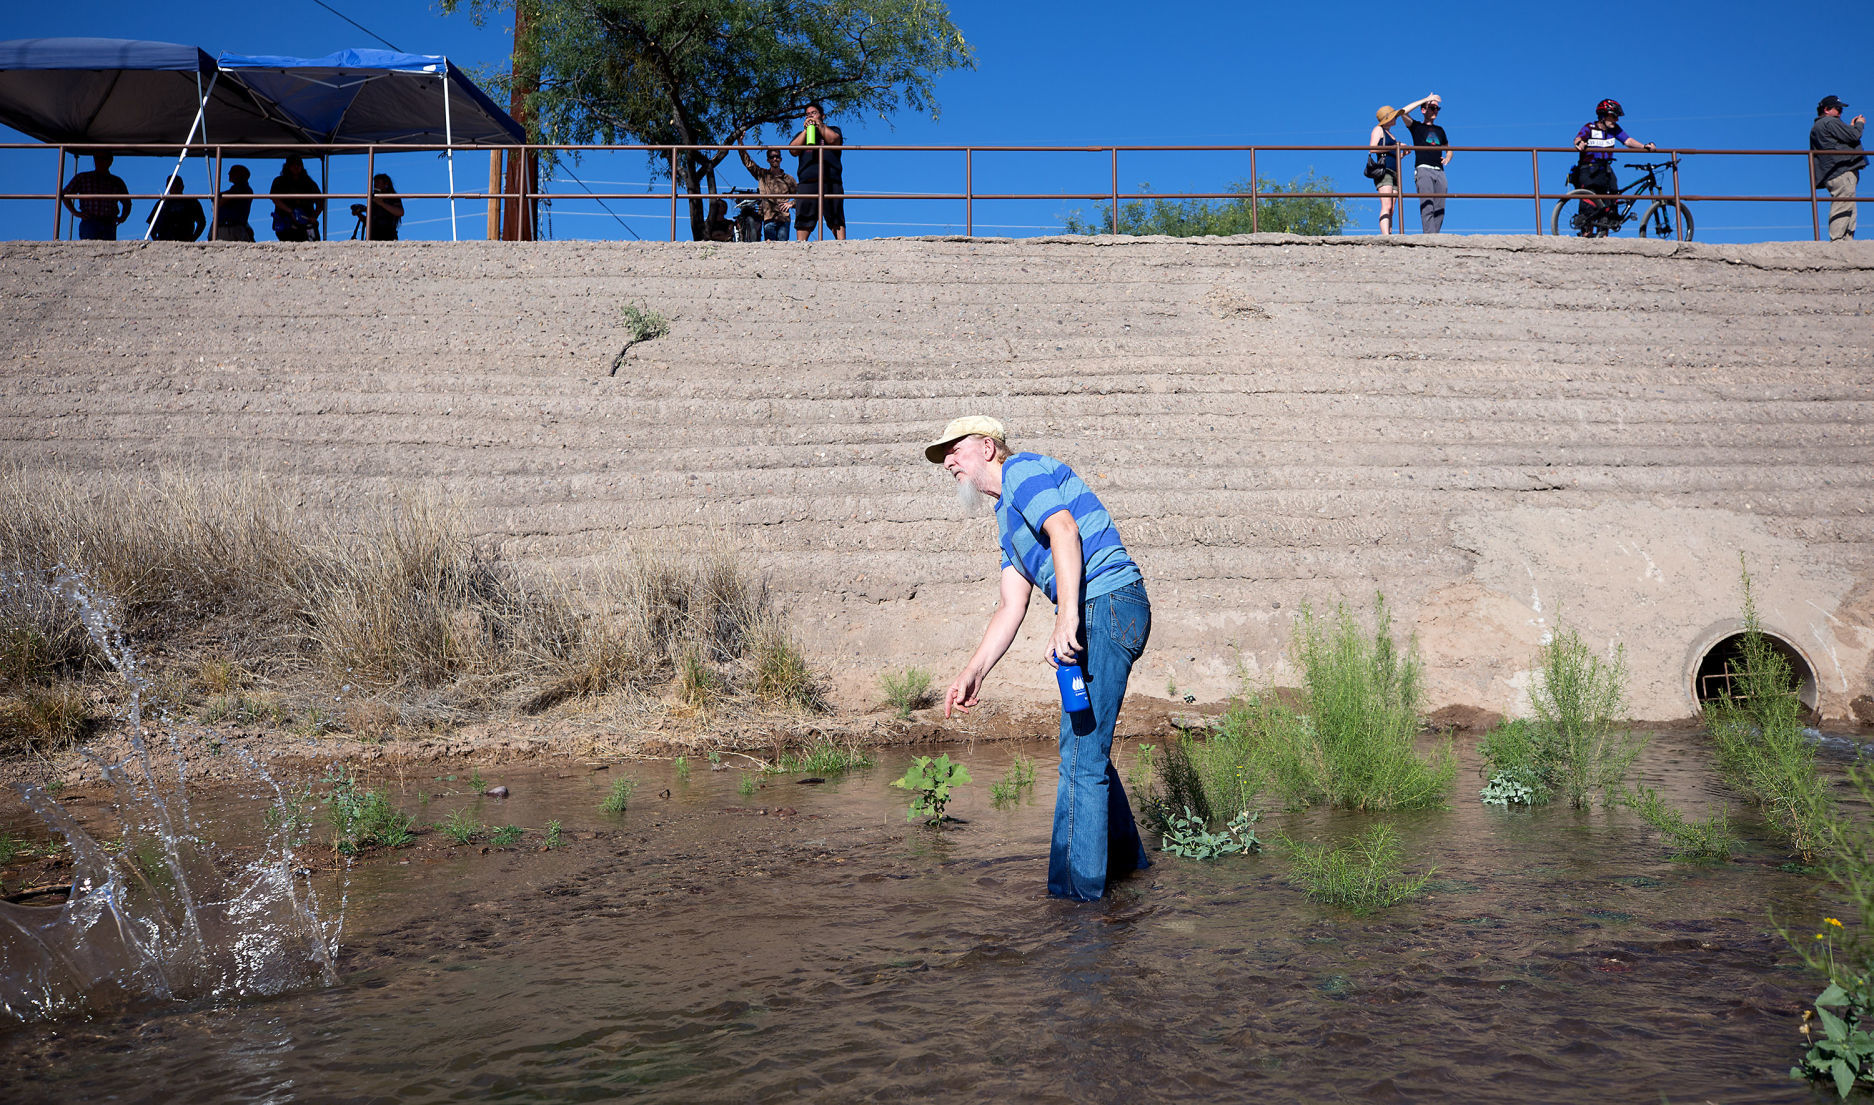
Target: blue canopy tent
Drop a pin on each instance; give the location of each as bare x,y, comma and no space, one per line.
105,91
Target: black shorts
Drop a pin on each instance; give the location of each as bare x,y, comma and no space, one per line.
807,207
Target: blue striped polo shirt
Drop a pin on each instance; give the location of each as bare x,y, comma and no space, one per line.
1034,488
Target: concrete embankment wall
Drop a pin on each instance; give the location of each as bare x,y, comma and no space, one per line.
1501,435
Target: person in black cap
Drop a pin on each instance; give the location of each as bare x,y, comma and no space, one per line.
1841,171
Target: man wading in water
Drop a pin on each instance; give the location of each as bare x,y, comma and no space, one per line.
1056,535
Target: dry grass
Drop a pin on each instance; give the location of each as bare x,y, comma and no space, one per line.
404,613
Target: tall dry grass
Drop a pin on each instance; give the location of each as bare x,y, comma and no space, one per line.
402,602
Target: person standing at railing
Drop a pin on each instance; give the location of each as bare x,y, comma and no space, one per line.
176,220
1383,162
295,220
1429,166
104,207
1597,142
772,183
231,215
817,147
1840,172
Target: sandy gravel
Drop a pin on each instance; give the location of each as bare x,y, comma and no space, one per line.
1487,430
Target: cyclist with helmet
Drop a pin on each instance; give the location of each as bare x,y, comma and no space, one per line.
1597,142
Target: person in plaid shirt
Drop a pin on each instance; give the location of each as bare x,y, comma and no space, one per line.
104,207
776,186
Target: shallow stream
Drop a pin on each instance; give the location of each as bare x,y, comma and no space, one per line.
805,943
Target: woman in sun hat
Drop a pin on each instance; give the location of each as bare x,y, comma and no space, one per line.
1385,150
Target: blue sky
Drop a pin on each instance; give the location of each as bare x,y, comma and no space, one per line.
1707,75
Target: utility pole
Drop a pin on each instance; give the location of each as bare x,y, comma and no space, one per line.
520,221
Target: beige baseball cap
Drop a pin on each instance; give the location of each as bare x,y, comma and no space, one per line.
960,429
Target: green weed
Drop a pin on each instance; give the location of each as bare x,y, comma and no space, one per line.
1019,777
506,835
906,691
1363,875
782,675
930,783
682,764
1843,953
1515,766
477,784
1364,694
1757,725
620,796
1579,701
1189,836
556,835
461,827
1354,743
747,786
362,818
12,847
821,757
1708,840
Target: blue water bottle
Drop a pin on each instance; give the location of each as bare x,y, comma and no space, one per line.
1073,687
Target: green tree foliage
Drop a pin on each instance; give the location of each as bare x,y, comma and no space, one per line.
708,72
1312,214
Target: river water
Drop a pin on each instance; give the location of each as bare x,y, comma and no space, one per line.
805,943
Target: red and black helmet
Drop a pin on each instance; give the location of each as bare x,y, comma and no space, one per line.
1610,107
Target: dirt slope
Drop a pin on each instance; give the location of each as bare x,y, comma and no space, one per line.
1490,431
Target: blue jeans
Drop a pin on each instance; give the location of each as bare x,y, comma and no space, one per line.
774,230
97,230
1095,838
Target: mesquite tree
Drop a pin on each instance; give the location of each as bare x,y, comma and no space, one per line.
715,72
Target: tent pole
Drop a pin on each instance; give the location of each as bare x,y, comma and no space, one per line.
59,195
448,137
325,202
201,112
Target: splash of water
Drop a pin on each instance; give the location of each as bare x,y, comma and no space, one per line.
167,913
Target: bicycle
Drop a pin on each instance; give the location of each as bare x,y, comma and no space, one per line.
1616,209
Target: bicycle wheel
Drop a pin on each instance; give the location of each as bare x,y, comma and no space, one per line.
1661,210
1557,218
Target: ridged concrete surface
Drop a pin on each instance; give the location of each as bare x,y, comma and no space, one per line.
1486,430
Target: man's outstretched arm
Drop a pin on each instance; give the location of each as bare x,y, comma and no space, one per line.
1003,625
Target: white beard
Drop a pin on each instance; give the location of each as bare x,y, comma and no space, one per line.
972,501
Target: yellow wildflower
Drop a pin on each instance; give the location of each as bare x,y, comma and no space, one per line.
1833,921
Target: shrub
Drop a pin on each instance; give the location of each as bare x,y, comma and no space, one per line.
1363,875
1757,726
1363,699
1308,214
506,835
1583,746
905,691
1354,745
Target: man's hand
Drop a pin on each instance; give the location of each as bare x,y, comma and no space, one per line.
1858,120
962,693
1064,642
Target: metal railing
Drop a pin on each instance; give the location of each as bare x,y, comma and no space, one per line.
969,197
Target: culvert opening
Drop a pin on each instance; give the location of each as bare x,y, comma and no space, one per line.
1719,669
